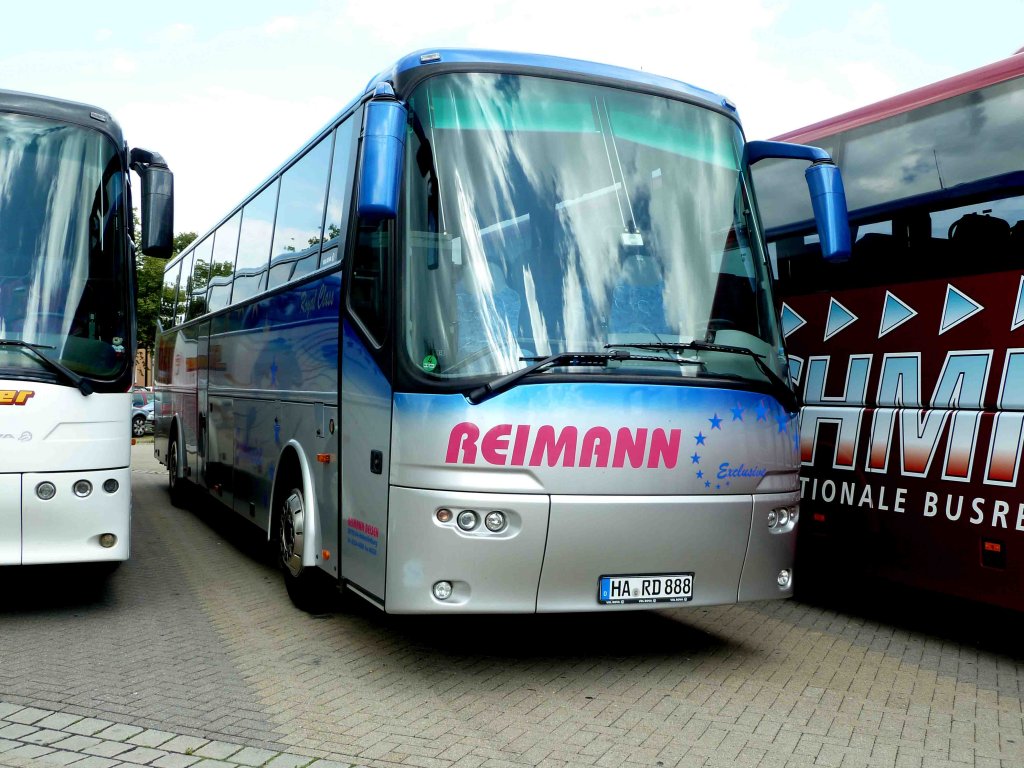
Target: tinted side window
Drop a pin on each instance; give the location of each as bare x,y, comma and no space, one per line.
169,295
300,216
222,264
339,198
257,232
184,285
200,279
368,285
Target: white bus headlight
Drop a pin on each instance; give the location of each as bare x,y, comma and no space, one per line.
442,590
82,488
110,485
467,520
46,490
494,521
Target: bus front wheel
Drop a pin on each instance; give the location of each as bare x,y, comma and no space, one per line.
307,587
175,484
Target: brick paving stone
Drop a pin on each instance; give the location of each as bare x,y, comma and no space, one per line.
141,755
44,737
88,726
16,731
76,743
108,749
8,709
176,761
218,750
93,761
252,757
184,744
120,732
62,758
288,761
150,738
28,715
58,721
28,752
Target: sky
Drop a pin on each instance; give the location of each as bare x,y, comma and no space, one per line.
226,91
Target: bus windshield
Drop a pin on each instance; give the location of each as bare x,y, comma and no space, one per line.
62,257
543,216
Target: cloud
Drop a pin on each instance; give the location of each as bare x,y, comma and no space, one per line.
281,25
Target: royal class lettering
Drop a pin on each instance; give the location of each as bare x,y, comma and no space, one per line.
904,418
519,445
15,396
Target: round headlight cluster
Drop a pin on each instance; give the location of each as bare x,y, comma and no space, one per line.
782,517
469,520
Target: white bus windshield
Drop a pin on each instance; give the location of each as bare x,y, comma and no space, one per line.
62,260
545,216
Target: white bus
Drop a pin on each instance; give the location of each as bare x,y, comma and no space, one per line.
67,327
500,338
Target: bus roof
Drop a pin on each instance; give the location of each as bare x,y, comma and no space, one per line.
416,65
62,110
1006,69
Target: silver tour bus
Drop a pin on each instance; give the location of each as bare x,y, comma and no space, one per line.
500,338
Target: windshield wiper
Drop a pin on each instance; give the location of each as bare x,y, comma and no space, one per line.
49,362
588,359
787,397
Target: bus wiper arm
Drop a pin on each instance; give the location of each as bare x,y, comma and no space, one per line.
34,350
589,359
787,397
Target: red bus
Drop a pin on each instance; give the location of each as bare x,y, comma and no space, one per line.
909,356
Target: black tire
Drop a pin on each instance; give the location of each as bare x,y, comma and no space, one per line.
310,590
175,485
138,426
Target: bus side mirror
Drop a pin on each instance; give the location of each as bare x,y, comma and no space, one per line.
157,202
825,184
828,200
383,150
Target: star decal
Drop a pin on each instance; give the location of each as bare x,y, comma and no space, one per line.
707,483
700,474
695,459
737,413
762,412
700,438
716,423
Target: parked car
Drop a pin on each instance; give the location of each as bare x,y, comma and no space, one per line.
142,419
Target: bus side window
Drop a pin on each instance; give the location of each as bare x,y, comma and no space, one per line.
368,283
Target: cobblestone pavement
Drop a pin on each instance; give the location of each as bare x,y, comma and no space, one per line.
192,655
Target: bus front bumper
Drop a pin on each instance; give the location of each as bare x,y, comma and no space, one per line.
70,527
555,552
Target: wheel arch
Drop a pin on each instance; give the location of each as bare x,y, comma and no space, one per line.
293,459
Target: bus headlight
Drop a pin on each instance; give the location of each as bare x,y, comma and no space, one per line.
442,590
467,520
773,518
494,521
110,485
784,578
82,488
46,490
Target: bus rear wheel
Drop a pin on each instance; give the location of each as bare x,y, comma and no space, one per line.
307,587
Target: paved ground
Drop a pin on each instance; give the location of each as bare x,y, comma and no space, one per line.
191,655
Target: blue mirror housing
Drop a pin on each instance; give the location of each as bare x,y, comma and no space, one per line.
828,200
825,184
383,152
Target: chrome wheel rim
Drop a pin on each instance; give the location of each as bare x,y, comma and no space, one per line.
291,532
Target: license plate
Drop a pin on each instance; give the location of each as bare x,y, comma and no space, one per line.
661,588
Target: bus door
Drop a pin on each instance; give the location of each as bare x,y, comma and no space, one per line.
365,398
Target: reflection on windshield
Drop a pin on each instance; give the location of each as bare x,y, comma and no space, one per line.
61,257
544,216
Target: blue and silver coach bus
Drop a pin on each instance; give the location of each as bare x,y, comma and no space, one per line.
500,338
